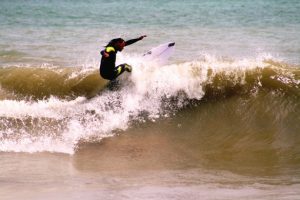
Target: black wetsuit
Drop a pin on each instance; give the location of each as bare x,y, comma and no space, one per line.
108,69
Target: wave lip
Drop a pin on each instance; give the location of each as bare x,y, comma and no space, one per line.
43,82
64,82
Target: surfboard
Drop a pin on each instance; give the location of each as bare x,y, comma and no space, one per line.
161,53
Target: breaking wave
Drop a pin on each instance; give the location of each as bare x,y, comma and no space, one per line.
50,108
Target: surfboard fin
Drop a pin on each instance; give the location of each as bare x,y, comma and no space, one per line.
171,44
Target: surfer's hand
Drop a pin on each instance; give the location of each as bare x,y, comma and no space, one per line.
103,53
142,37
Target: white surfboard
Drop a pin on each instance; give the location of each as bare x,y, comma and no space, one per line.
160,53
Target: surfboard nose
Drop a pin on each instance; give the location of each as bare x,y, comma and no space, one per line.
171,44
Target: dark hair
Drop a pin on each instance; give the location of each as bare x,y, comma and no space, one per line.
114,41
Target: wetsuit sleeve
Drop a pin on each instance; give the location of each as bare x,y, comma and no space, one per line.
129,42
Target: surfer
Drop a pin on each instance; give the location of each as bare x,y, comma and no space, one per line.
108,69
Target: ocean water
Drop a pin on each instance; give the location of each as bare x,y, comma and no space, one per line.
71,32
219,120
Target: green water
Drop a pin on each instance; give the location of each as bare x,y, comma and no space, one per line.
68,32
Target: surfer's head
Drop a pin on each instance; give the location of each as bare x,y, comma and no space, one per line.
117,43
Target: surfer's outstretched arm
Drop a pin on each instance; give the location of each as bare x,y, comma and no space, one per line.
129,42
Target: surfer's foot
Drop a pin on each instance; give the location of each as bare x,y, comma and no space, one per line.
128,68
